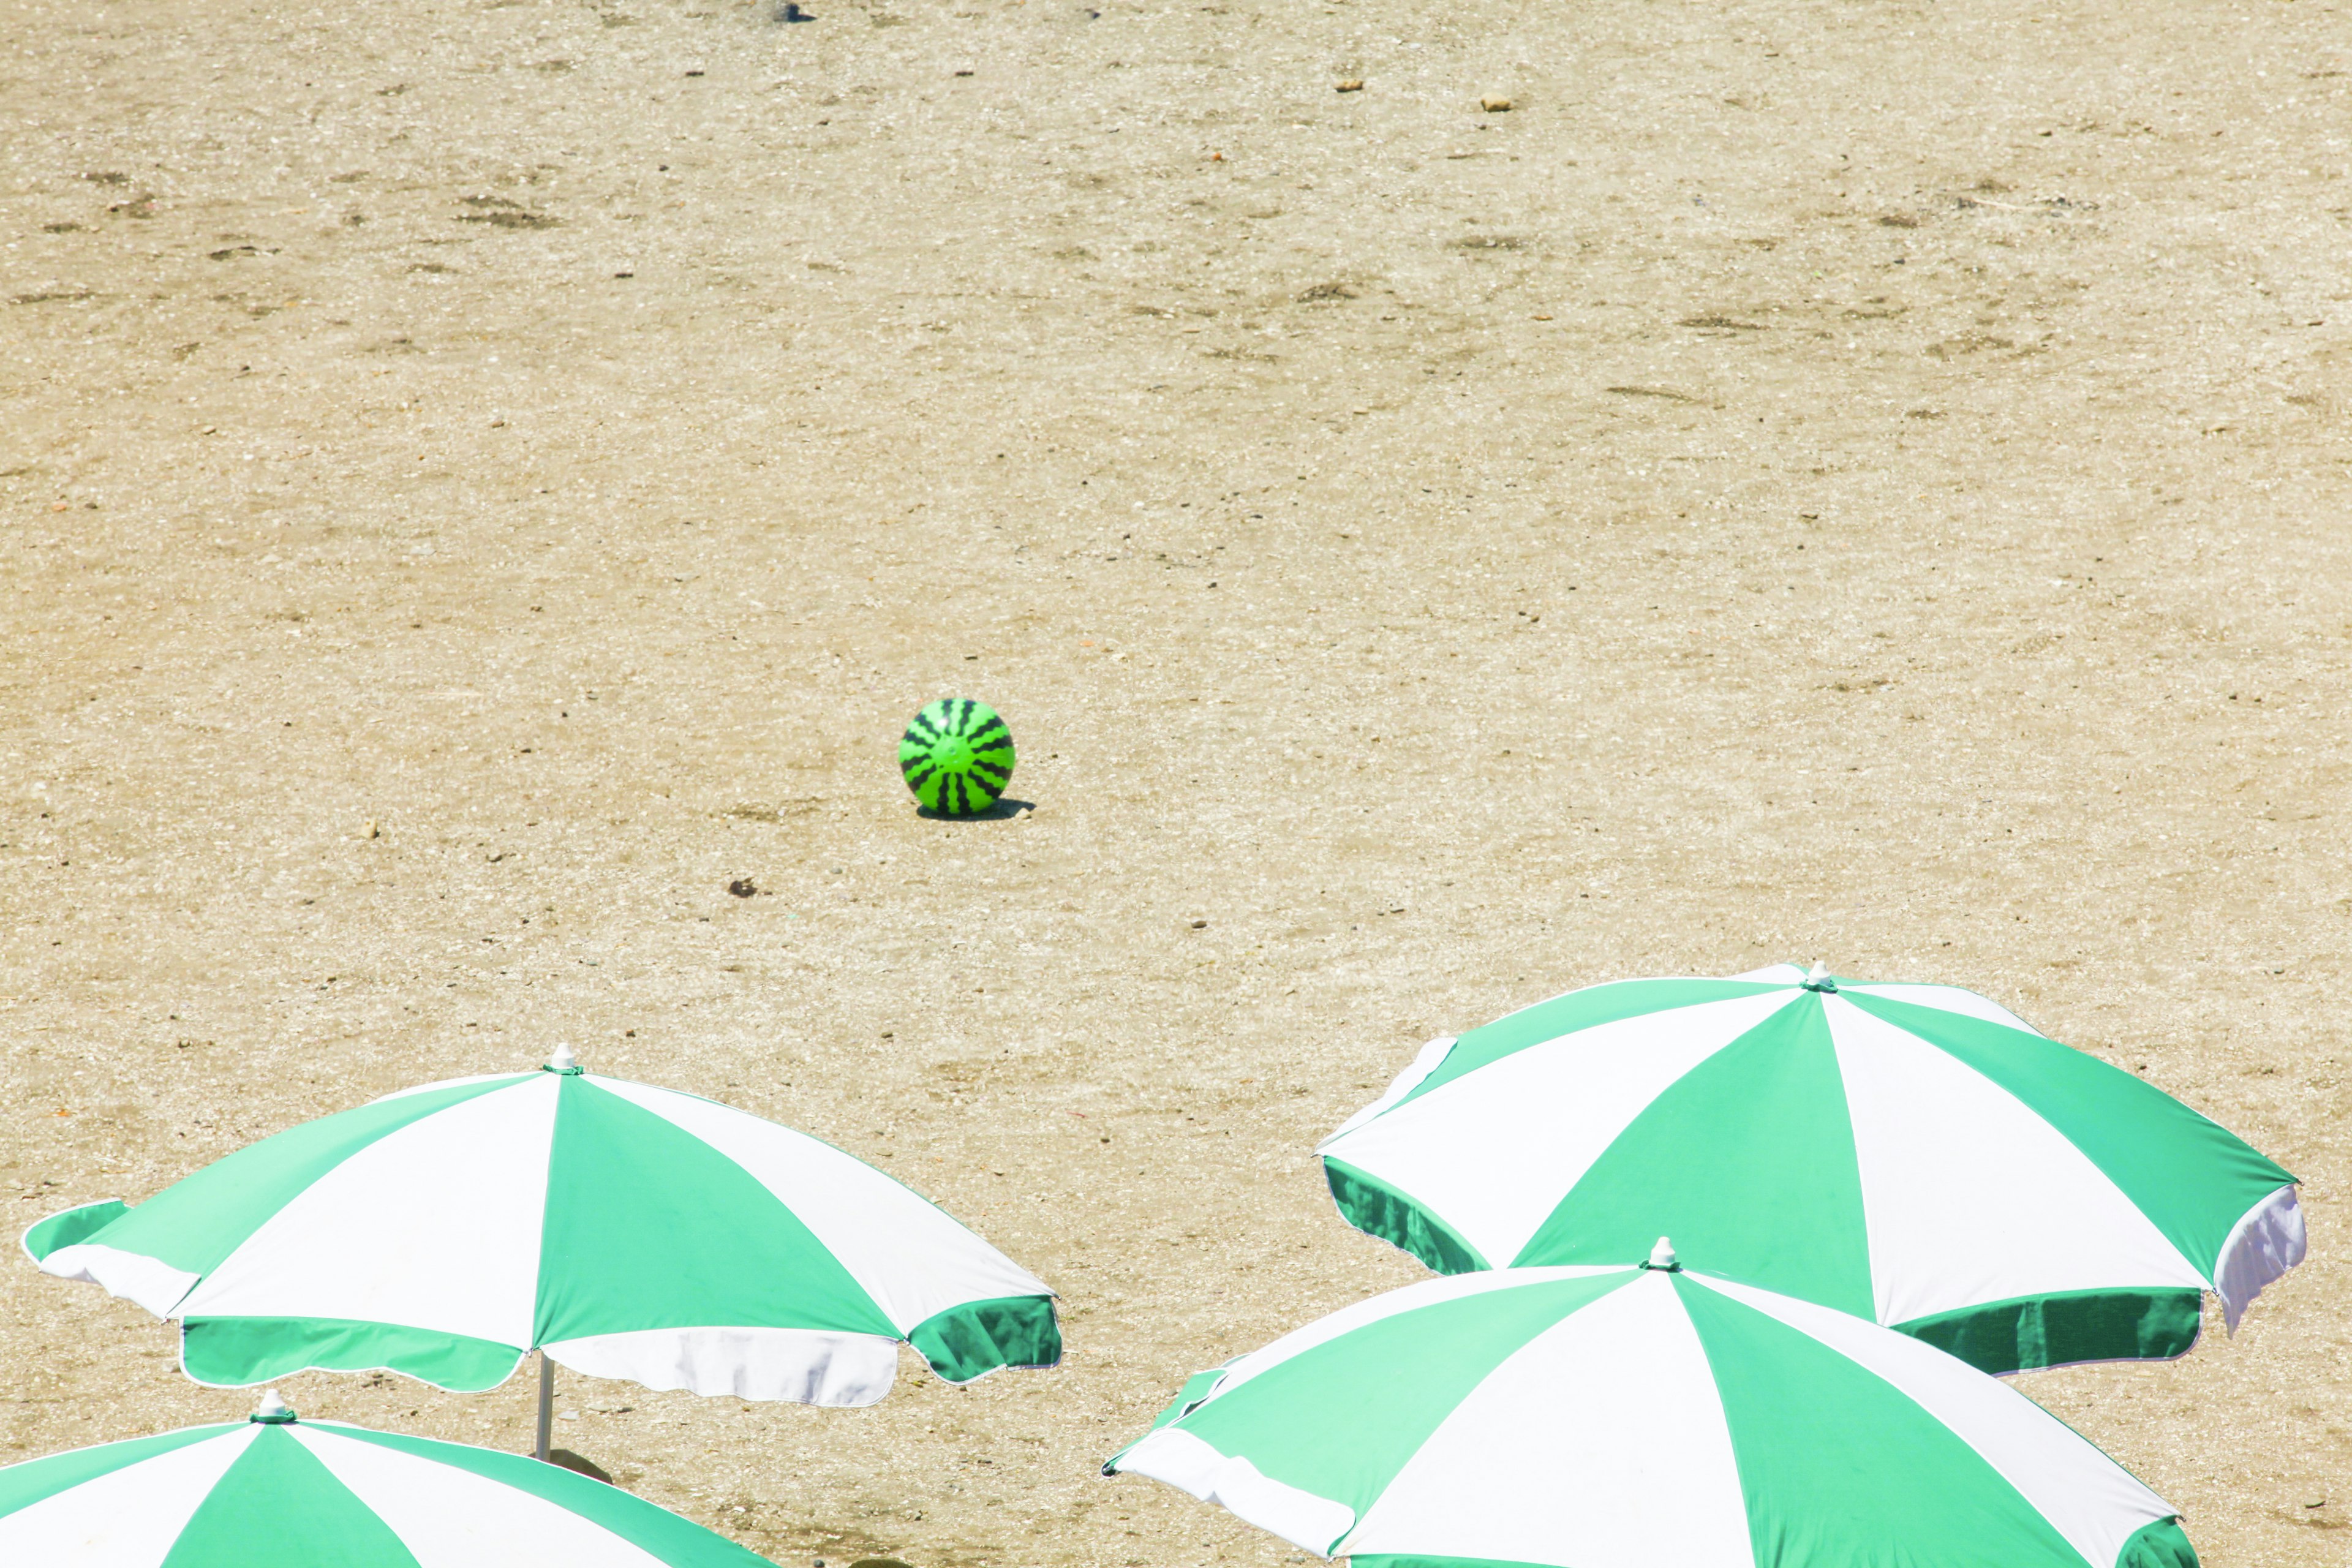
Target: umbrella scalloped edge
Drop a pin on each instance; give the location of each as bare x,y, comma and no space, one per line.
238,1352
2161,1545
1374,1207
976,1337
2268,1240
69,1227
1184,1461
2068,1328
806,1366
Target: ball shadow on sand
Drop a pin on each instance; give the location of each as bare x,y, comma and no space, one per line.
1004,810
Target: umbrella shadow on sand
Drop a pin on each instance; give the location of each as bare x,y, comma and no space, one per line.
580,1465
1004,810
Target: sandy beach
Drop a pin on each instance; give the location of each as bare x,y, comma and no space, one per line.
1868,483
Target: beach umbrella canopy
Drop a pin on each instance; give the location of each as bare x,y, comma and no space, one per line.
1628,1417
628,1232
275,1492
1915,1154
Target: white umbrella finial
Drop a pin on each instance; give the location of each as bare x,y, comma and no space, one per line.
1663,1256
1818,977
561,1060
272,1411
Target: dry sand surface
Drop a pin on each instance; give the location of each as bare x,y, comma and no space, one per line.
1867,483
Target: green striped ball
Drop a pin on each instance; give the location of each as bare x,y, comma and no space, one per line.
956,756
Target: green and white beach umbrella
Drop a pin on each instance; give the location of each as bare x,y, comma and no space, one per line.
1914,1154
628,1232
1631,1417
275,1492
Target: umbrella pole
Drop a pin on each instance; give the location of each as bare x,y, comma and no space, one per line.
546,1402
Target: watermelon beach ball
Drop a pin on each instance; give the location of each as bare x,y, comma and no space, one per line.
956,756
